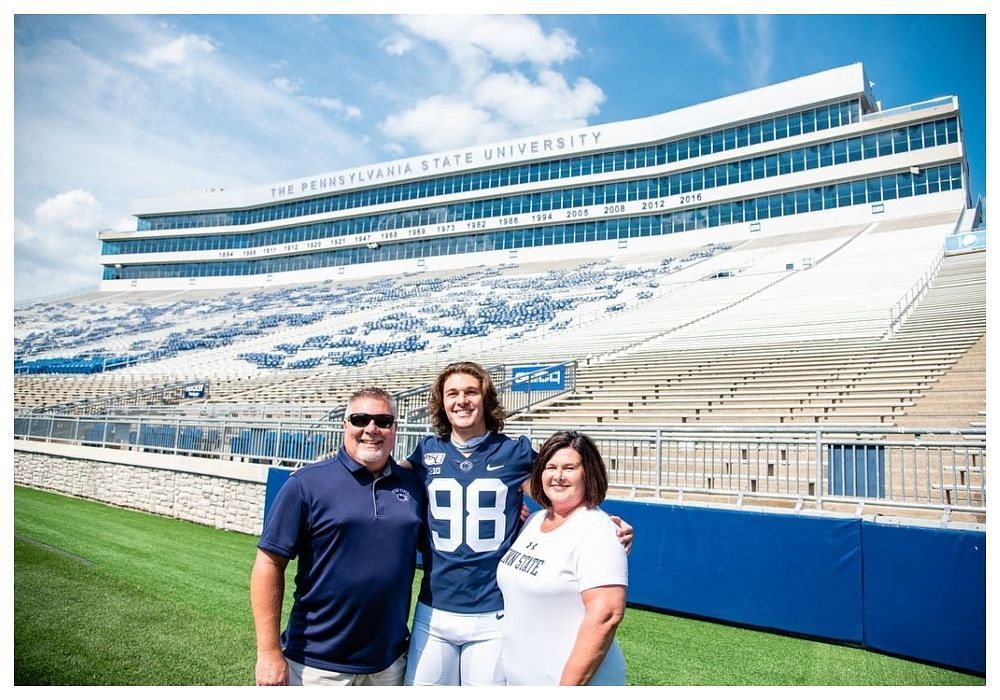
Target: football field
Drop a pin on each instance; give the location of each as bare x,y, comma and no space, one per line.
108,596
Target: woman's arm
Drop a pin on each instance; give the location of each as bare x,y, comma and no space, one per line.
605,607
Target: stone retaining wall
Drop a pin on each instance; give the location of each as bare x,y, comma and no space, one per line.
225,499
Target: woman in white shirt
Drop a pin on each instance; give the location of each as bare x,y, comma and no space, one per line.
565,578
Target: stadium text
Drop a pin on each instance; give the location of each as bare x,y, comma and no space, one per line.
432,164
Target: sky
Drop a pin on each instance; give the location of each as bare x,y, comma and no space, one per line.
109,108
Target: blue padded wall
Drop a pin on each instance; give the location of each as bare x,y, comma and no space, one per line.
276,478
795,573
925,593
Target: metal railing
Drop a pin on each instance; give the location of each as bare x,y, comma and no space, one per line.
170,395
899,310
905,109
938,469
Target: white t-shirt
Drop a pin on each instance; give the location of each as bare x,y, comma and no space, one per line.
542,578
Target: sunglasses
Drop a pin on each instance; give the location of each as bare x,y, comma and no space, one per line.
361,420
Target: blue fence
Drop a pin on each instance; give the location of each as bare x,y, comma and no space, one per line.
918,592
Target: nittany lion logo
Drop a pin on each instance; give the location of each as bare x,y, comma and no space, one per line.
401,495
433,459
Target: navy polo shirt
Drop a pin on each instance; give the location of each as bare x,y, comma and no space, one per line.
356,539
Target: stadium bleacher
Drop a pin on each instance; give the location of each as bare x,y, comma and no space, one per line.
795,330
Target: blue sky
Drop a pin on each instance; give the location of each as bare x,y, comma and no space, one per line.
110,108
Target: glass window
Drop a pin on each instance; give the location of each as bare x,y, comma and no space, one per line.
755,134
927,134
788,203
781,127
829,196
854,149
743,135
844,194
801,201
822,118
808,121
729,138
794,124
767,130
869,146
798,160
952,124
705,142
899,140
812,157
771,165
741,212
888,187
839,152
884,143
941,132
825,155
873,187
785,163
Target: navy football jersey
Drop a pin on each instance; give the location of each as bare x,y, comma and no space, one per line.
473,515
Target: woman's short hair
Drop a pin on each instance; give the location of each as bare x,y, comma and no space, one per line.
493,411
595,474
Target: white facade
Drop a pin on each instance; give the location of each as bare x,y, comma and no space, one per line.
841,85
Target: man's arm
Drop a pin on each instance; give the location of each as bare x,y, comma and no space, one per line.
267,592
625,532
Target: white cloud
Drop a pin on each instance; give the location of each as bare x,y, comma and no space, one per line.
506,38
100,122
287,85
397,45
756,34
179,55
706,31
742,43
499,82
77,210
334,104
548,104
50,256
439,123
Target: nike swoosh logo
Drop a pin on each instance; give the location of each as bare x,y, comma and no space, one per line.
499,616
494,467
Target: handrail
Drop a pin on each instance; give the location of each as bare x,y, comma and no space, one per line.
166,394
899,310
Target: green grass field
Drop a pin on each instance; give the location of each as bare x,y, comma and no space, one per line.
108,596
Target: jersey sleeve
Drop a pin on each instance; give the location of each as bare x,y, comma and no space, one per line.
601,559
525,455
286,520
416,458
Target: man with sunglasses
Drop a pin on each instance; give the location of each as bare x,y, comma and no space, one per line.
354,521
